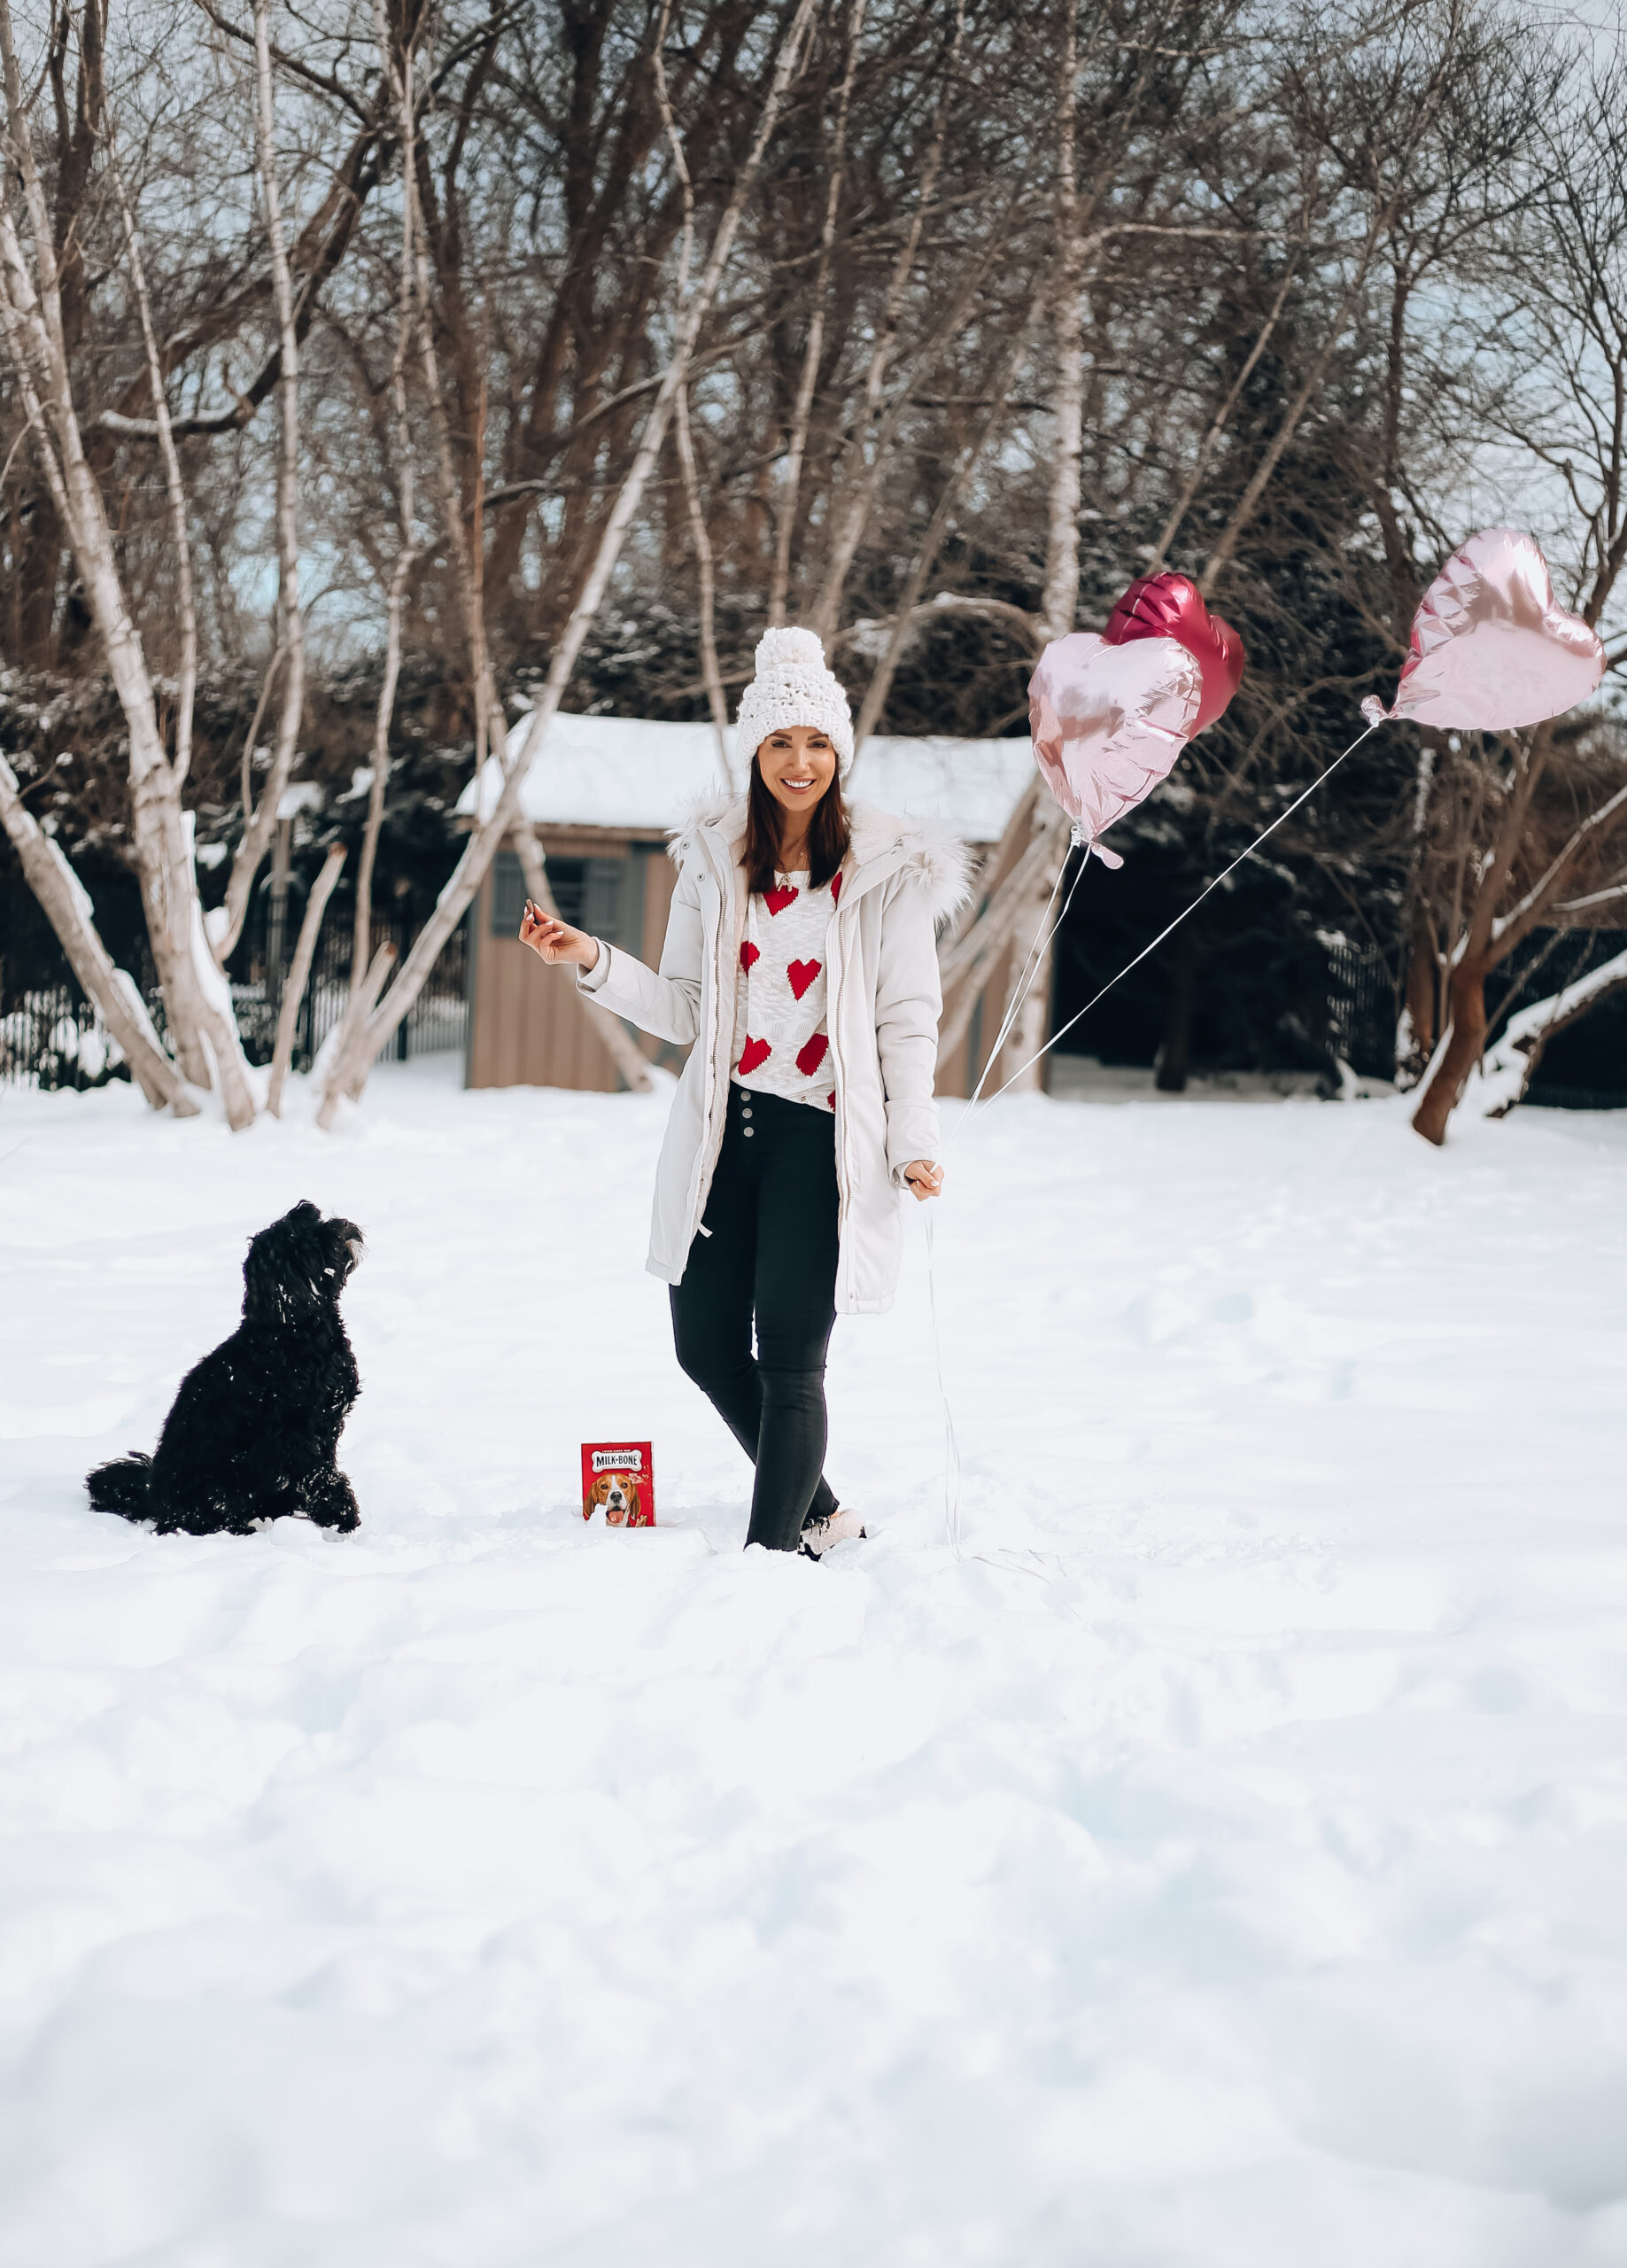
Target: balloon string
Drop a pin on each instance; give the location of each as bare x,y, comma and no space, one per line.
1034,961
1178,919
1025,977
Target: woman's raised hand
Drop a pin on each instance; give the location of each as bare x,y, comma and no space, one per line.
556,940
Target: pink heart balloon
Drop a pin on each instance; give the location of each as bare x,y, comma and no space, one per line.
1108,723
1489,649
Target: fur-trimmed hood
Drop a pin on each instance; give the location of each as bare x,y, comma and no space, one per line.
929,846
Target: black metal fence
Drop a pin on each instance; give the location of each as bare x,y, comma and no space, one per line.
438,1019
1362,1008
1582,1068
51,1035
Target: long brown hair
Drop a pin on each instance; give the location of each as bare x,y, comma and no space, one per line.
828,837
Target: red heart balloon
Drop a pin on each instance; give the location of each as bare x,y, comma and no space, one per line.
1171,606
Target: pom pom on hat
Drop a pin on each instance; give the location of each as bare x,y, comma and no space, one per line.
789,648
794,687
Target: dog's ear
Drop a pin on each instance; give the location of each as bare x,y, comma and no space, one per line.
282,1277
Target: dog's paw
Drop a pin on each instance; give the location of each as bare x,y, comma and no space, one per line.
333,1504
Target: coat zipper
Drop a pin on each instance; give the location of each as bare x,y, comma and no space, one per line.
697,1202
844,1163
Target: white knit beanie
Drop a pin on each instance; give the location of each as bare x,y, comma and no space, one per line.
793,686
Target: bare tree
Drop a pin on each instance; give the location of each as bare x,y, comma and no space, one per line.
1529,830
198,1005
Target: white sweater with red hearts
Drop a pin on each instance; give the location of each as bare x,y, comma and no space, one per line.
781,1044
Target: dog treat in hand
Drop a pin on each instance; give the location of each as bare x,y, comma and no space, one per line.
618,1478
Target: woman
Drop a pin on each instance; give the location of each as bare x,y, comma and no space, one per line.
800,956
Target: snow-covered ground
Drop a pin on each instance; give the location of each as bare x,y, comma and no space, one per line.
1223,1865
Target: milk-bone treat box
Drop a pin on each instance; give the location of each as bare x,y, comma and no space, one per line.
618,1479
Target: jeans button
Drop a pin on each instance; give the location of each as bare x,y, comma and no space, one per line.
748,1133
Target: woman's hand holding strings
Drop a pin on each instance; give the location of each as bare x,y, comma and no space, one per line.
556,940
922,1178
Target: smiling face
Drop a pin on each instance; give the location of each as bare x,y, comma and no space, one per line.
798,764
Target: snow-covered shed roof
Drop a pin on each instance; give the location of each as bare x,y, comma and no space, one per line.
625,772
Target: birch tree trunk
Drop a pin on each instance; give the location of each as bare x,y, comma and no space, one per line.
67,907
299,976
362,935
711,674
352,1058
1059,600
227,927
198,1004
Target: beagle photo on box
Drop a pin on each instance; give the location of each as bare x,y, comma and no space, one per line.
617,1494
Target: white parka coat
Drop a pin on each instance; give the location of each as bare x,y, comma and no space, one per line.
901,878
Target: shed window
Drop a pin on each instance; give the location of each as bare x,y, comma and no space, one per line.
591,894
507,893
601,897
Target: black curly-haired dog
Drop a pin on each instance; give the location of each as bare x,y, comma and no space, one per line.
255,1425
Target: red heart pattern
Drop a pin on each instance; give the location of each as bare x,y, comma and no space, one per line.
755,1052
801,974
810,1058
835,887
748,953
777,900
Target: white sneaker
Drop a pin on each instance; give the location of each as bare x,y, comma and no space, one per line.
819,1534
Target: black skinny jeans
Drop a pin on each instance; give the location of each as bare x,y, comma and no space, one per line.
767,1243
